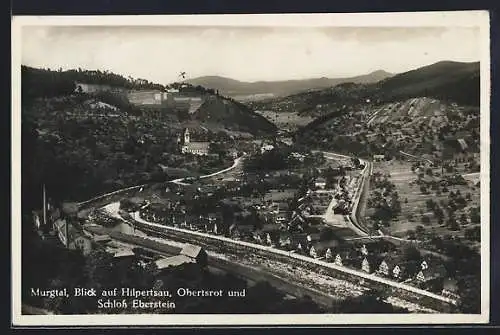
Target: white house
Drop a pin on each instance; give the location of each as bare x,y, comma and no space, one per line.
320,183
266,147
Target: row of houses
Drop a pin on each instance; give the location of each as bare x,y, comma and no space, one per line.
91,237
380,258
377,256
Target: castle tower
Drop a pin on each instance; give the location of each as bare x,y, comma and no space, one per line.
186,136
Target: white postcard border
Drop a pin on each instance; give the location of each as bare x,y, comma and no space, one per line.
415,19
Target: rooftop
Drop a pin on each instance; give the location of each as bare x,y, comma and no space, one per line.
190,250
173,261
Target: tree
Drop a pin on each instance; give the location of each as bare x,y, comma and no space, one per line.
327,234
475,216
470,294
425,220
411,253
423,189
473,234
55,303
411,235
420,230
370,302
463,219
98,266
453,223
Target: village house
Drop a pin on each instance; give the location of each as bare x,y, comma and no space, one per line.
370,263
313,237
190,254
302,248
429,261
285,239
214,218
211,222
387,265
374,246
241,231
120,253
282,218
341,258
450,288
378,158
233,153
298,241
324,249
178,219
196,253
197,223
320,183
346,257
405,270
72,237
266,147
298,156
430,274
272,238
269,234
171,262
258,236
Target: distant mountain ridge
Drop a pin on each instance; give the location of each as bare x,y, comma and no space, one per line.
451,81
232,87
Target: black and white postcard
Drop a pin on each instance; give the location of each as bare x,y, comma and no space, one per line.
251,169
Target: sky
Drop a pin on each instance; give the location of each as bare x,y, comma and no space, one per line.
159,54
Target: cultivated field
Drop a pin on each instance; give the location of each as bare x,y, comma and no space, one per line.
413,201
415,109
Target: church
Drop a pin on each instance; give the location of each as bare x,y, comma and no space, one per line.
196,148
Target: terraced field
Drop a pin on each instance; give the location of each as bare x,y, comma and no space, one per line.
413,110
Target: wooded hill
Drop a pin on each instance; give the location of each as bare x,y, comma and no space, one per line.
448,81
